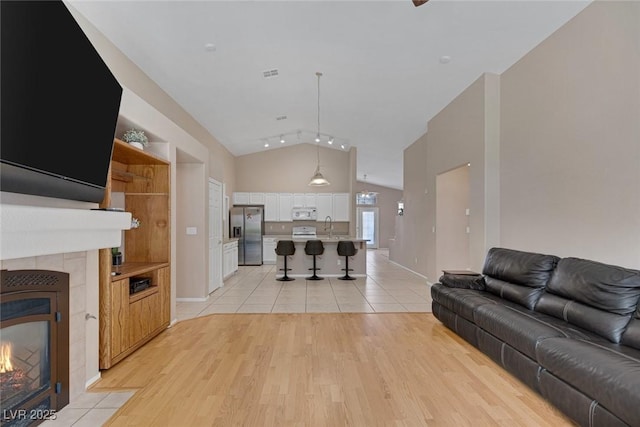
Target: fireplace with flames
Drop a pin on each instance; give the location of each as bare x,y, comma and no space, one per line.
34,345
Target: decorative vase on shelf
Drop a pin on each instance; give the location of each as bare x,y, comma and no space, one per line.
137,138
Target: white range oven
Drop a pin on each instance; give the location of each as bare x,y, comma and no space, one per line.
304,232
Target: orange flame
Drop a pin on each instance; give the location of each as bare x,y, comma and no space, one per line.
5,358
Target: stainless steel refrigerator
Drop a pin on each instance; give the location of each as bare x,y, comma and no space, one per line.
246,224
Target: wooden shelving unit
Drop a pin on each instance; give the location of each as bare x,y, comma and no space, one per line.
128,321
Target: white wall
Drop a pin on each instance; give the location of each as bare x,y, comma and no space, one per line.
191,278
452,202
463,132
554,147
570,140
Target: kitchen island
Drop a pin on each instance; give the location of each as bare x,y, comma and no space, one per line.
330,264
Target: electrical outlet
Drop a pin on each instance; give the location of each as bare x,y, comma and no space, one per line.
270,227
283,227
339,262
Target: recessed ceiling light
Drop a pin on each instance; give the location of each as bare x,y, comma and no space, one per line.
210,47
318,138
342,146
330,141
445,59
266,145
281,139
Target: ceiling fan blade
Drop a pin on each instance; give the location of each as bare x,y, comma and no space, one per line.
417,3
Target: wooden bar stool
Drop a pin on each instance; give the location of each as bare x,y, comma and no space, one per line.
346,248
285,248
314,248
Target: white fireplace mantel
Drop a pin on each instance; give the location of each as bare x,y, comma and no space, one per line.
27,231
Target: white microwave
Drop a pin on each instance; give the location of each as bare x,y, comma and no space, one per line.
304,214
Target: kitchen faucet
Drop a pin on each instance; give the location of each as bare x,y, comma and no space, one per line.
330,226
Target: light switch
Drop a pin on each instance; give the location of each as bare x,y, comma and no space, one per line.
192,231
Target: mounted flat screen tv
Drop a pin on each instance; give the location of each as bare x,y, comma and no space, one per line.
60,105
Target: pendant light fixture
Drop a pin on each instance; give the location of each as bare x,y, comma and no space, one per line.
318,180
365,193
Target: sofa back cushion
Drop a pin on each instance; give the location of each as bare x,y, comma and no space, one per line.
517,276
598,297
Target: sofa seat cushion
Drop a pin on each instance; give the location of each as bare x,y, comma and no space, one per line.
461,301
631,336
524,329
607,373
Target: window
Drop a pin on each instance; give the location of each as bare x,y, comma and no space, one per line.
366,199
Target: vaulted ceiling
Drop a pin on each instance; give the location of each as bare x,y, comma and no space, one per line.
246,70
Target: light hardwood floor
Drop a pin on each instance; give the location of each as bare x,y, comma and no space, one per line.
319,369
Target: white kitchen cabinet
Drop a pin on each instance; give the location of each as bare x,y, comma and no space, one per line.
269,250
341,207
256,198
241,198
285,204
324,205
234,258
271,207
304,200
229,258
310,200
298,200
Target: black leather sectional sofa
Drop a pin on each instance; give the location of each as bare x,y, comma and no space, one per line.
569,328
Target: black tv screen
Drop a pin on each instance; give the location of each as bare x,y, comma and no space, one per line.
60,104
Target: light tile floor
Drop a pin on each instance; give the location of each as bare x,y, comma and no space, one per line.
89,410
254,289
387,288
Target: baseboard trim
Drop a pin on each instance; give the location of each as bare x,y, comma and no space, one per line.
192,299
414,272
91,381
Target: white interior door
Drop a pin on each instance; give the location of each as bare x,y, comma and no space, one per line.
367,226
215,235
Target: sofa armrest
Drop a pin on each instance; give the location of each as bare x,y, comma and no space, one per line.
463,281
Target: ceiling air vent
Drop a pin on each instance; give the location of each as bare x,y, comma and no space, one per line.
281,118
270,73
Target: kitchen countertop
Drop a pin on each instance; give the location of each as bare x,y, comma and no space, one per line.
229,240
323,238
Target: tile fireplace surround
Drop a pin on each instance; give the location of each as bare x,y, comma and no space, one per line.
67,240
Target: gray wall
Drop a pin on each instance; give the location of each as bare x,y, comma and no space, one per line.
554,147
